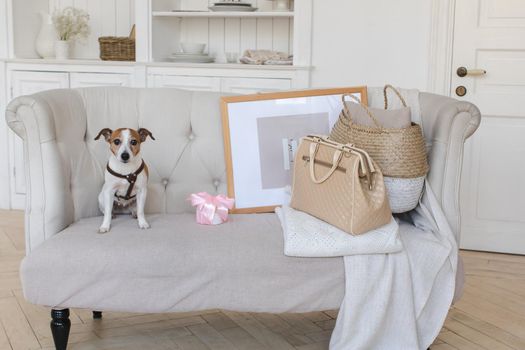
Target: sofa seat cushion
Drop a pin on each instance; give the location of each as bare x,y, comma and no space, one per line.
178,265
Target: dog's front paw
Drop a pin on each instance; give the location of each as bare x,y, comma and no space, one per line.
103,229
143,224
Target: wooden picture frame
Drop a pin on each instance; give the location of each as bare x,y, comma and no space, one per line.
316,109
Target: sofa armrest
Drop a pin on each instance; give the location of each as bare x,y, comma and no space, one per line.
447,123
49,206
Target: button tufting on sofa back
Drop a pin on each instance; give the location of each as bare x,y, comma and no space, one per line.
187,155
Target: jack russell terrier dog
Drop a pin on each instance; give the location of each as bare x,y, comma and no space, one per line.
126,176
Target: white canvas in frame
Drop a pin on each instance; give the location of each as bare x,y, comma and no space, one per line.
261,133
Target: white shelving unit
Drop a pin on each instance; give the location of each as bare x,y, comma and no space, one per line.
159,32
288,31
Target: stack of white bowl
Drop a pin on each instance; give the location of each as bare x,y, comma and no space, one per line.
191,53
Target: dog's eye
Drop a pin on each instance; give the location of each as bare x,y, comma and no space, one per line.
116,142
133,142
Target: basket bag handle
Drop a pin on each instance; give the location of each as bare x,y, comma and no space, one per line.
338,154
398,94
346,111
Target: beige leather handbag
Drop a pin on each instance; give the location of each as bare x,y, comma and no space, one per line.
339,184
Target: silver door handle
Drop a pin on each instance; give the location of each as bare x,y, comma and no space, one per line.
463,72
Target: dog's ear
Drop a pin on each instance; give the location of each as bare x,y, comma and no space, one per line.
144,133
106,132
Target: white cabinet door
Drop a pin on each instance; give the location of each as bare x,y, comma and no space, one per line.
254,85
195,83
80,80
27,83
489,36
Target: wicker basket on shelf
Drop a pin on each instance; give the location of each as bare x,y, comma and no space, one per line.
114,48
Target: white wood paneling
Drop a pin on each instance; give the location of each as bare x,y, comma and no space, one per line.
502,13
507,72
238,35
216,37
281,35
248,34
253,86
124,17
264,33
27,83
4,144
238,85
166,34
232,35
493,192
79,80
186,82
195,30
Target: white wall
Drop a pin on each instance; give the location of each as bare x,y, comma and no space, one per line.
371,42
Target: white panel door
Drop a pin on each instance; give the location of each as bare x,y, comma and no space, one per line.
490,35
27,83
194,83
80,80
254,85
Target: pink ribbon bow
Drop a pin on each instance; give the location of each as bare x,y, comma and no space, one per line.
208,206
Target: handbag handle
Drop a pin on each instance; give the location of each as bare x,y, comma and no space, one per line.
338,154
398,94
346,111
366,165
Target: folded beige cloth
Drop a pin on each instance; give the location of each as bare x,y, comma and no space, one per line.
266,57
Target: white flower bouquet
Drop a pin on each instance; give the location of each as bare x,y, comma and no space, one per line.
71,23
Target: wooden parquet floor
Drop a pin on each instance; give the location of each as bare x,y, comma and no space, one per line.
491,314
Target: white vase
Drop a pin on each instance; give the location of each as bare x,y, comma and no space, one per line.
45,41
62,49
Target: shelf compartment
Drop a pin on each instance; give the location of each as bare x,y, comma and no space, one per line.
211,14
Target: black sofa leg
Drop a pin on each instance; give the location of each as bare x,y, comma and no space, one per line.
60,325
97,315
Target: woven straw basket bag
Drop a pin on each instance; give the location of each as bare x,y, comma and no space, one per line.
400,153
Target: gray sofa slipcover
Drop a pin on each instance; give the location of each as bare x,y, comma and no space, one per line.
176,265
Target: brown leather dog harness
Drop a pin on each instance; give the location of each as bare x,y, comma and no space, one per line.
132,178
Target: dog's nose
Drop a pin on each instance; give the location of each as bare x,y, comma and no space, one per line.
125,156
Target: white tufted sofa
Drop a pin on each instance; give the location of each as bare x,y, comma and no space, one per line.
176,265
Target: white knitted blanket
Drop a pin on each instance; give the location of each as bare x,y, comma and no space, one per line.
305,235
400,301
393,300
